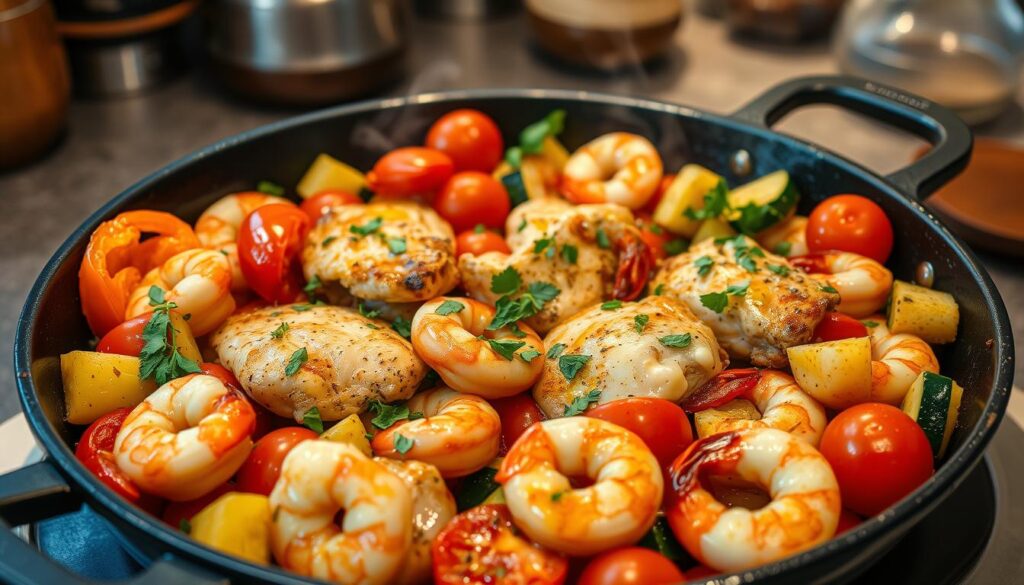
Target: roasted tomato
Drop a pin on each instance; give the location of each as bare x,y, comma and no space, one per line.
722,388
850,223
480,547
126,338
472,198
269,243
631,566
260,471
322,202
470,138
409,171
836,326
847,521
878,453
661,424
661,242
480,240
95,451
517,414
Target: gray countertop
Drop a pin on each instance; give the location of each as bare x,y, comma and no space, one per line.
111,144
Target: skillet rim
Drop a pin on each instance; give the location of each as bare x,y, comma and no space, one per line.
903,514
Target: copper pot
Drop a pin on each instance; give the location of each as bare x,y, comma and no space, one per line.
34,82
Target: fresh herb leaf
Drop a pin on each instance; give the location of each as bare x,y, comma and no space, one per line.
397,245
270,188
448,307
327,241
298,357
602,239
674,247
542,292
658,290
676,341
716,301
870,324
311,418
703,264
367,228
505,282
640,321
369,314
522,225
580,403
529,355
753,218
479,228
541,244
783,248
829,289
302,308
716,202
514,157
531,139
557,495
571,364
611,305
387,414
778,269
159,358
372,326
156,298
506,349
280,331
738,290
570,253
556,350
402,443
365,193
312,286
185,526
402,326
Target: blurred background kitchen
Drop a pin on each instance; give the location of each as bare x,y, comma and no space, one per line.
95,94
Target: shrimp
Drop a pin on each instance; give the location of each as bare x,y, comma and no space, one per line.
789,236
782,404
459,433
804,507
432,508
863,284
217,228
198,281
319,479
616,510
185,439
618,168
896,361
458,345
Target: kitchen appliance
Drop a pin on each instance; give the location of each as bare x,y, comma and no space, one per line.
981,359
467,9
306,52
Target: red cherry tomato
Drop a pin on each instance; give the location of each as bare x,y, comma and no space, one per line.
661,424
878,453
470,198
126,338
836,326
655,236
175,512
631,566
221,373
722,388
477,242
470,138
481,543
517,413
850,223
700,572
408,171
260,471
847,520
323,201
95,451
655,199
269,243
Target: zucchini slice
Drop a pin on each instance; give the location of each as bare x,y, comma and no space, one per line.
929,314
478,486
762,203
934,401
686,191
513,183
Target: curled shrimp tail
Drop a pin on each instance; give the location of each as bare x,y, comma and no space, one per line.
635,264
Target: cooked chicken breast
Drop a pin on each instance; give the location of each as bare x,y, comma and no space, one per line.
654,347
394,251
779,308
350,360
578,249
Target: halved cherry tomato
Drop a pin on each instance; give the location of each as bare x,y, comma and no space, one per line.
655,199
850,223
836,326
408,171
654,235
269,243
175,512
480,545
116,260
631,566
260,471
126,338
847,520
323,201
473,198
221,373
517,413
470,138
700,572
478,241
722,388
95,451
878,453
661,424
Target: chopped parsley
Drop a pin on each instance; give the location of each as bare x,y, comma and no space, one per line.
556,350
402,326
280,331
611,305
703,264
311,418
570,253
738,290
543,244
448,307
716,301
479,228
312,286
510,309
571,364
602,239
298,357
270,188
185,526
397,245
327,241
522,225
829,289
557,495
506,281
716,202
389,414
676,246
160,358
367,228
531,139
783,248
529,355
581,403
778,269
368,313
402,443
301,308
640,321
870,324
677,341
659,289
506,349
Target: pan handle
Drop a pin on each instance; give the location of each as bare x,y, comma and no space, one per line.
950,138
38,492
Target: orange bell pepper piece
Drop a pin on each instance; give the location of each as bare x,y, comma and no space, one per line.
116,260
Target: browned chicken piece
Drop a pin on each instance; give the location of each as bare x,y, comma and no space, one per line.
654,347
349,360
766,303
392,251
589,252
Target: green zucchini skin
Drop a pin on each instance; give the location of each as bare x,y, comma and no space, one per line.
475,488
936,393
762,203
513,183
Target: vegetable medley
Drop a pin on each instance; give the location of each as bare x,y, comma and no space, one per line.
480,364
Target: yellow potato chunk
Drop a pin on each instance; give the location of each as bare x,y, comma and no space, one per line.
349,430
237,524
712,420
183,338
686,191
97,383
835,373
327,172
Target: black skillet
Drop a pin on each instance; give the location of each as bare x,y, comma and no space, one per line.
981,359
